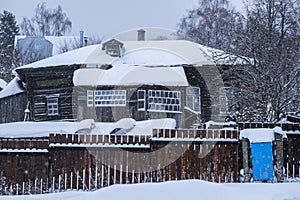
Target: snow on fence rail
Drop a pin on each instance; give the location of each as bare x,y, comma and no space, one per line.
34,145
192,135
93,140
284,126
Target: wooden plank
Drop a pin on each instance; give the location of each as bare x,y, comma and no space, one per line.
222,162
197,159
204,166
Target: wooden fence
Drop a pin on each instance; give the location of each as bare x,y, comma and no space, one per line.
88,162
284,126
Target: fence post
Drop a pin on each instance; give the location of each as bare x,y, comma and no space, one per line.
23,188
287,170
90,178
83,179
41,186
35,185
66,176
102,174
59,182
11,190
279,157
245,149
28,186
53,184
71,184
96,174
77,180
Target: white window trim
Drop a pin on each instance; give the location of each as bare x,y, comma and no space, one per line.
142,100
51,110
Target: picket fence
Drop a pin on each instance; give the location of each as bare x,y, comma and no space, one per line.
62,162
87,162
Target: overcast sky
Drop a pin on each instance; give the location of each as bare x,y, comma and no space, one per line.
105,18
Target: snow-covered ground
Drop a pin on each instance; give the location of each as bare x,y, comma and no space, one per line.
191,189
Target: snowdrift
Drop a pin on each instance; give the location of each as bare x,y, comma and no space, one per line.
178,190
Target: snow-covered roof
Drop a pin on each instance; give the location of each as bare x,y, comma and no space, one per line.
220,57
77,56
130,75
258,135
149,53
43,129
176,52
3,84
12,88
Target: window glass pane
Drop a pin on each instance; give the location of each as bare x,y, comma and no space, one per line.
110,98
193,98
52,106
223,104
164,101
141,100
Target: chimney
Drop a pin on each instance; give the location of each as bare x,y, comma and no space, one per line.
86,41
141,35
81,38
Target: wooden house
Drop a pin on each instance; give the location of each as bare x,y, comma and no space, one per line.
120,79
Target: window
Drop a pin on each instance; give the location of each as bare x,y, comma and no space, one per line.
141,100
223,104
113,50
193,98
164,101
223,93
52,106
90,98
113,47
104,98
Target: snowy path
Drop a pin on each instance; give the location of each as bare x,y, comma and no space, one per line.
180,190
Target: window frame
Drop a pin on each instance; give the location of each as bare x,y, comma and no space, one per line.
141,100
109,98
90,98
190,98
52,107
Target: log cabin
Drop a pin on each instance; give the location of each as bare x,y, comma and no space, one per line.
117,79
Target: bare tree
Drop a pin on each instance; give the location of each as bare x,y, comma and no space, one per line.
46,22
212,23
268,40
269,88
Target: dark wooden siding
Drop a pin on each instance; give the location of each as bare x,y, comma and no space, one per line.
65,106
44,82
195,79
12,108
